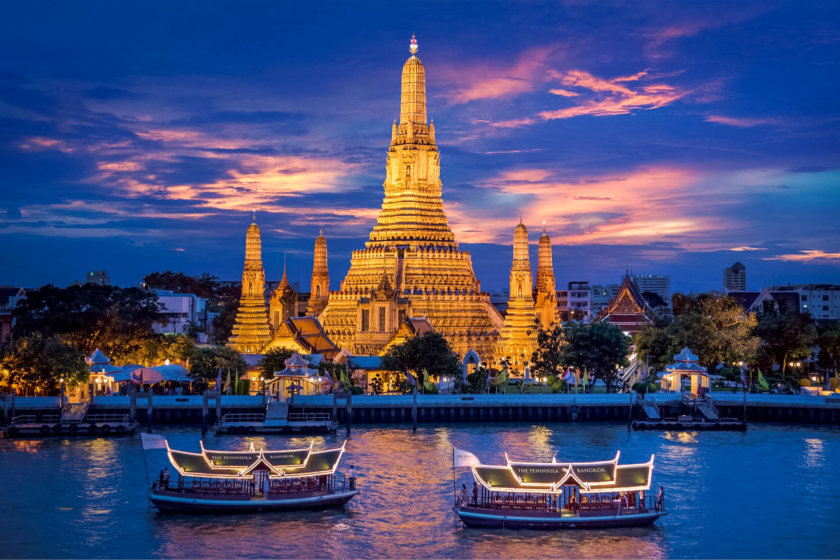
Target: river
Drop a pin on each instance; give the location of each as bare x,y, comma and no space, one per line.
770,493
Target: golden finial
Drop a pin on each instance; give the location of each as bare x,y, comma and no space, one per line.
413,46
254,215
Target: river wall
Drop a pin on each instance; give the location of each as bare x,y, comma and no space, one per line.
399,409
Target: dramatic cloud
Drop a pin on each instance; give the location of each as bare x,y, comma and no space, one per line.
740,122
807,256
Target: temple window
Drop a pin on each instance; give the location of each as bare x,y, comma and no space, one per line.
382,319
365,320
317,291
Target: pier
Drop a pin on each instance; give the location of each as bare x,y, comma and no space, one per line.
209,409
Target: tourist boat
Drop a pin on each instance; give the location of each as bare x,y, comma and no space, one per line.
557,495
253,480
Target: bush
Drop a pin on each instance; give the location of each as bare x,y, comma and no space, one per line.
804,382
641,387
833,383
433,390
199,386
652,388
356,390
244,387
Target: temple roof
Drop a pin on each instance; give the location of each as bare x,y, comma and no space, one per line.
628,309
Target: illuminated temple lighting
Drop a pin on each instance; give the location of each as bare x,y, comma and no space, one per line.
251,331
411,265
519,336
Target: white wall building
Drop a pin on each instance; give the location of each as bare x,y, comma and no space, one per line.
181,311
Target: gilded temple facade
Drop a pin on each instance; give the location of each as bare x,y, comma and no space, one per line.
251,330
411,265
545,291
519,334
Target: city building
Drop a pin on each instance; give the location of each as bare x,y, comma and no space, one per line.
518,338
822,301
185,314
251,330
600,296
411,265
735,278
97,277
9,298
654,283
579,301
628,309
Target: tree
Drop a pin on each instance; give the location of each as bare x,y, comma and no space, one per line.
274,360
116,320
208,362
600,348
828,339
204,286
546,359
35,364
785,336
713,326
430,352
226,305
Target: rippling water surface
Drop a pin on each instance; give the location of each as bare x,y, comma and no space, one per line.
770,492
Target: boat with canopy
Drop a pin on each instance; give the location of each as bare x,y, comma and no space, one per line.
252,480
557,495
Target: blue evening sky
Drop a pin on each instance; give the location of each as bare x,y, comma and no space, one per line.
661,137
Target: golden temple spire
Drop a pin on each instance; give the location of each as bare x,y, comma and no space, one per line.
413,98
250,331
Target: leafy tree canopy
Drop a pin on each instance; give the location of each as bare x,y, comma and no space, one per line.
600,348
35,364
547,358
274,360
116,320
430,352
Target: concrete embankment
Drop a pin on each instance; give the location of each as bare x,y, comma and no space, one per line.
394,409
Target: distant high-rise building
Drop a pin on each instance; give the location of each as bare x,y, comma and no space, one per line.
579,300
735,277
654,283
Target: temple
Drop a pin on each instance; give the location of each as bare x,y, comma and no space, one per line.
545,291
411,265
519,334
283,303
628,309
251,330
320,292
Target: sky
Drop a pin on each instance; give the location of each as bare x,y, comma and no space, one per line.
653,137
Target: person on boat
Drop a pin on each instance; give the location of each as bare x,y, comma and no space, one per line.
352,478
660,499
463,494
160,479
573,505
166,477
475,493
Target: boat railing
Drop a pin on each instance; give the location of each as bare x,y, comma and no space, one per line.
33,419
105,418
279,487
242,417
606,505
310,417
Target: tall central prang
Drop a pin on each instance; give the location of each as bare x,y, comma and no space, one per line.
411,265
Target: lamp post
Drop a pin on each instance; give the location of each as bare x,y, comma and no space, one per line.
61,392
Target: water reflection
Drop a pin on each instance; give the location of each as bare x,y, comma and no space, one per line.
83,498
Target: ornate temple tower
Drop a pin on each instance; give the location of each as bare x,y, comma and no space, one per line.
411,265
251,332
519,335
283,303
545,292
320,292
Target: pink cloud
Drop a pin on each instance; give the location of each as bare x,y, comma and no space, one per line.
492,82
740,122
39,143
563,92
806,256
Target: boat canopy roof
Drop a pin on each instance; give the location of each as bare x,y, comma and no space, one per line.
293,463
546,478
